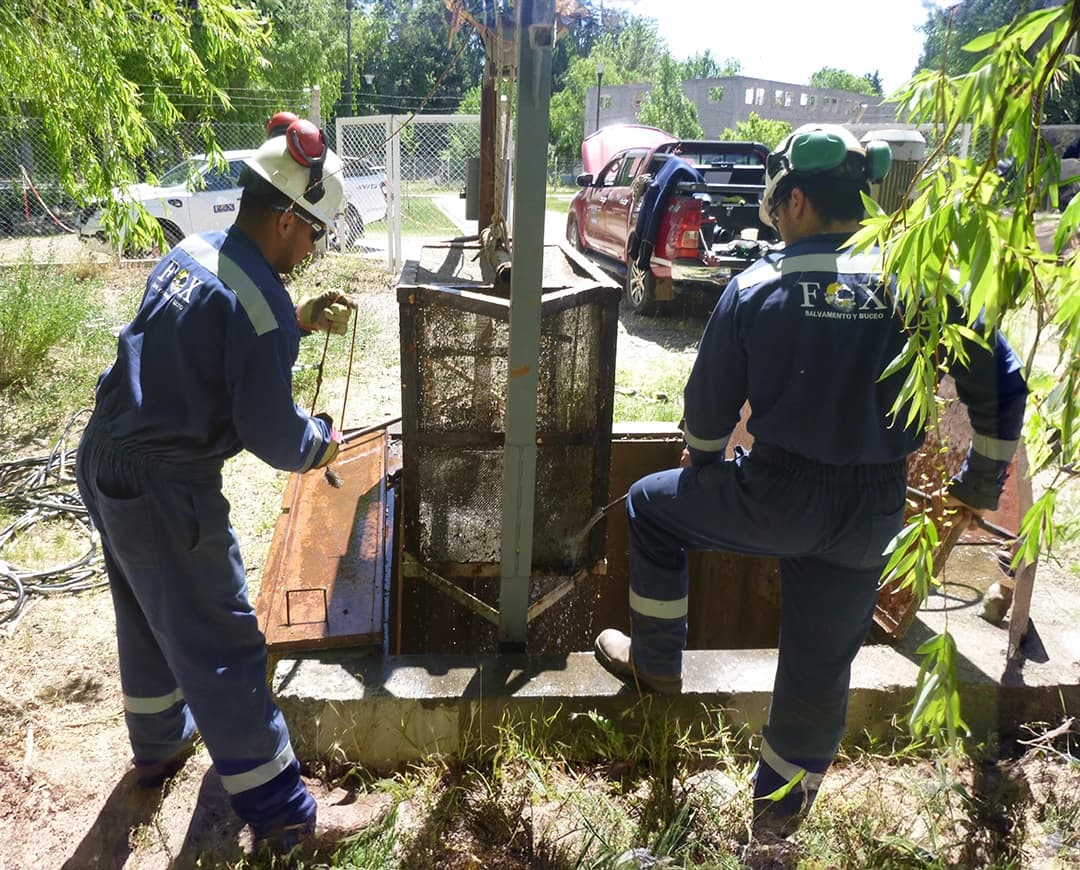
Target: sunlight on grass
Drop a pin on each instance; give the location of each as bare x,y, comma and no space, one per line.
420,216
654,394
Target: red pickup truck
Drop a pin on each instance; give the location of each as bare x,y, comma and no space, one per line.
707,231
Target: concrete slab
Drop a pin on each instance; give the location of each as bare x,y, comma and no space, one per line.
384,711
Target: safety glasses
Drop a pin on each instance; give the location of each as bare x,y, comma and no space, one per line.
318,229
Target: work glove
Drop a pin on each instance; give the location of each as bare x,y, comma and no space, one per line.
327,312
979,482
336,439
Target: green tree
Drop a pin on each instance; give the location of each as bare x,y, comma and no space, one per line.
628,55
949,31
69,65
307,48
967,238
705,66
758,129
667,107
406,48
830,77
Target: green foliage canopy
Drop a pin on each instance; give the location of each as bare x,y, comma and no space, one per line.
967,237
830,77
628,55
667,107
948,33
705,66
758,129
71,65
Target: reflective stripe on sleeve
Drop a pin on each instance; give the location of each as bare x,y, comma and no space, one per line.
809,782
238,782
657,609
842,264
236,279
149,706
706,445
313,450
997,449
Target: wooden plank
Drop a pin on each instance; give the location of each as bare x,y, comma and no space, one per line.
323,582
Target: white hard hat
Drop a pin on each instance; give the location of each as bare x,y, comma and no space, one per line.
301,166
823,149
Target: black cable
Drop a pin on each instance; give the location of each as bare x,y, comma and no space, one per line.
40,489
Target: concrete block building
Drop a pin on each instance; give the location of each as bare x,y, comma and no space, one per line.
723,102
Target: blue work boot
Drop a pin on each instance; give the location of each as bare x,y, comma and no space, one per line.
152,774
279,825
284,838
613,652
781,804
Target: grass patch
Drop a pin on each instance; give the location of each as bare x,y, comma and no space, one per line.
40,308
558,202
57,334
421,217
655,394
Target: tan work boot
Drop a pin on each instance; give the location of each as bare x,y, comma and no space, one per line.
613,652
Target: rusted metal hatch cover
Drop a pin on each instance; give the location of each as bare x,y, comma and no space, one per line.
327,573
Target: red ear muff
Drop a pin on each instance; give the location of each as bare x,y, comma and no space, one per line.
278,124
308,148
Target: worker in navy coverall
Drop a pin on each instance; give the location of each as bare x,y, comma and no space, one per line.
803,335
202,372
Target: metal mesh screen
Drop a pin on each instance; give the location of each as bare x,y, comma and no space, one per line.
454,352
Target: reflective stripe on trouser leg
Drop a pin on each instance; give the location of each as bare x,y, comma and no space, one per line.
173,543
158,721
826,611
784,789
658,588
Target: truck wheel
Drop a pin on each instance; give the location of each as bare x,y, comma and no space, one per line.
173,234
640,289
573,236
354,227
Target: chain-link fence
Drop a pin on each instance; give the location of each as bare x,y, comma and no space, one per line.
405,178
425,163
33,201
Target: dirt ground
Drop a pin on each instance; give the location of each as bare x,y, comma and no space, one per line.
67,791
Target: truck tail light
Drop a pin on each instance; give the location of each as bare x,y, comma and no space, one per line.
688,234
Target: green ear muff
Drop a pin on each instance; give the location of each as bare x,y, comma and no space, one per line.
816,151
878,159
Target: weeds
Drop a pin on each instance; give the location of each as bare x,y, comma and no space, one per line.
40,309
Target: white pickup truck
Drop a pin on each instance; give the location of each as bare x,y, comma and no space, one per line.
194,197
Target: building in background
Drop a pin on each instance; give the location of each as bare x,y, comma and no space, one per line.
723,102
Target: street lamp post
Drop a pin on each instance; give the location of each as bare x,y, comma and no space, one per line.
349,5
599,79
369,78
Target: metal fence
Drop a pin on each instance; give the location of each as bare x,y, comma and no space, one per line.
424,159
33,201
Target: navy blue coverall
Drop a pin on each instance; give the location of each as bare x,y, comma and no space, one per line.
202,372
803,334
642,241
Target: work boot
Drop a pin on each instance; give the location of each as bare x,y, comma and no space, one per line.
284,838
613,652
152,774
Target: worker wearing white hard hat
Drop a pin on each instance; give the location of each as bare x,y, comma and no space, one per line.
202,372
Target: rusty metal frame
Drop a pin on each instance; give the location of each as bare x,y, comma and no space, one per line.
412,567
